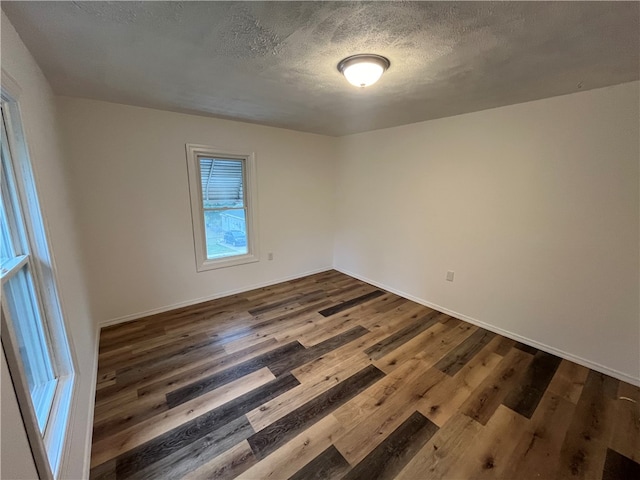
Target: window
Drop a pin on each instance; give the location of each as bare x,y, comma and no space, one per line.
222,188
33,334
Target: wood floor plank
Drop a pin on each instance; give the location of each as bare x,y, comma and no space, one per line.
328,327
484,401
619,467
488,456
393,321
526,348
392,455
329,464
441,453
122,419
297,452
445,399
412,348
227,465
270,438
399,338
569,380
460,355
277,331
106,471
506,344
434,351
190,457
535,455
626,430
350,303
525,396
584,449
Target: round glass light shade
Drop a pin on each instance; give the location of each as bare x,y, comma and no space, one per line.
363,70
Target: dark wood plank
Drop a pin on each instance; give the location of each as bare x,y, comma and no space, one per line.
329,464
391,456
619,467
505,345
199,427
191,456
525,348
525,397
460,355
272,437
327,312
402,336
106,471
216,380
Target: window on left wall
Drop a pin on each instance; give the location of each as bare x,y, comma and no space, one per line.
33,333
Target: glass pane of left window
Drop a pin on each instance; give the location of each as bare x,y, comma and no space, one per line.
34,352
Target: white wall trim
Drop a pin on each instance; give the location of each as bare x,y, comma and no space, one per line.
187,303
86,467
505,333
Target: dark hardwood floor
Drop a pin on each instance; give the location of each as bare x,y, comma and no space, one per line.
329,377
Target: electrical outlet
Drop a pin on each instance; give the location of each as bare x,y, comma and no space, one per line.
450,276
270,256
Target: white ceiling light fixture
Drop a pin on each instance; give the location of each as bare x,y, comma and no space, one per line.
364,69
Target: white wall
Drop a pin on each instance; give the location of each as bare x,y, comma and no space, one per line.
16,461
39,118
130,179
534,206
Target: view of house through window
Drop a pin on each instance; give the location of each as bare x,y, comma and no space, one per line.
224,206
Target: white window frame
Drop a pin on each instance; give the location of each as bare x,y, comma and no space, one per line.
194,152
48,448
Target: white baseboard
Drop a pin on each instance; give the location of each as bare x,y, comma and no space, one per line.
75,406
187,303
505,333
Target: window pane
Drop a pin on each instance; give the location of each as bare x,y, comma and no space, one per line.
32,346
7,250
222,182
10,225
226,232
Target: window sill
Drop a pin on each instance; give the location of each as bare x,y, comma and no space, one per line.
227,262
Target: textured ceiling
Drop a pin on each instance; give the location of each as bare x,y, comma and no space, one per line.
274,63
